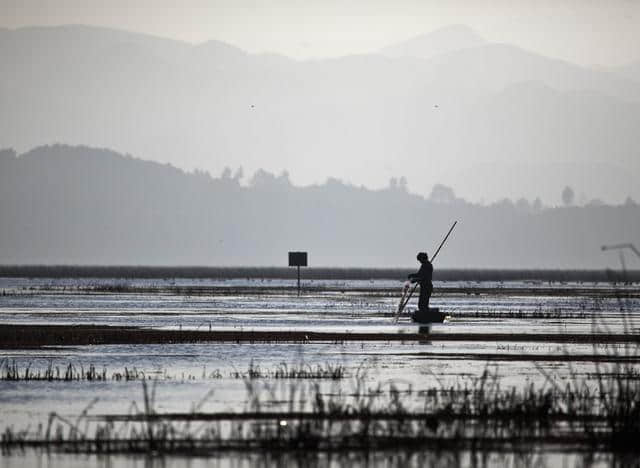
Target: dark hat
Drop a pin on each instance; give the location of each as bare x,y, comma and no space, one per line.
422,257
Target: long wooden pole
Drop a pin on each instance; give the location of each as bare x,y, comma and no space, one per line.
403,304
443,241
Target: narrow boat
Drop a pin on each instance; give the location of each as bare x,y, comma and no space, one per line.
433,315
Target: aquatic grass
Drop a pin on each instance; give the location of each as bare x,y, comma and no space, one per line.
616,396
11,371
538,313
297,371
532,276
355,415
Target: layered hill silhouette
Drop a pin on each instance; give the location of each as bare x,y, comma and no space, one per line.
78,205
433,109
441,41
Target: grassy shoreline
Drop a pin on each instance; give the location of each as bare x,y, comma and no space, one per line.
328,273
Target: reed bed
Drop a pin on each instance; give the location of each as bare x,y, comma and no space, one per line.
297,371
264,287
555,313
11,371
172,272
353,415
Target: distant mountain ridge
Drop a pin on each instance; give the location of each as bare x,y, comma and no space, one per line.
441,41
80,205
365,118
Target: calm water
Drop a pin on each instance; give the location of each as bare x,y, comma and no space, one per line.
184,373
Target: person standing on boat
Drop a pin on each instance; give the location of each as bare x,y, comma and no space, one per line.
424,278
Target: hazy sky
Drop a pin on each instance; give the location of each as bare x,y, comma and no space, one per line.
603,32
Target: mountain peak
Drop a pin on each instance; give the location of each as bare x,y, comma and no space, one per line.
216,46
437,42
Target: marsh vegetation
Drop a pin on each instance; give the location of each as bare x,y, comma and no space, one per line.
518,369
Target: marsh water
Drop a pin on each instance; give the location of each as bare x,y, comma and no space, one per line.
185,373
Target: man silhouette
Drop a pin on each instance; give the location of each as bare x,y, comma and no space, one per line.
423,277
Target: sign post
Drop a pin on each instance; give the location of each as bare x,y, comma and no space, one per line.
298,259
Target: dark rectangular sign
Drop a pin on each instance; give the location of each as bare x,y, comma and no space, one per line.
298,259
